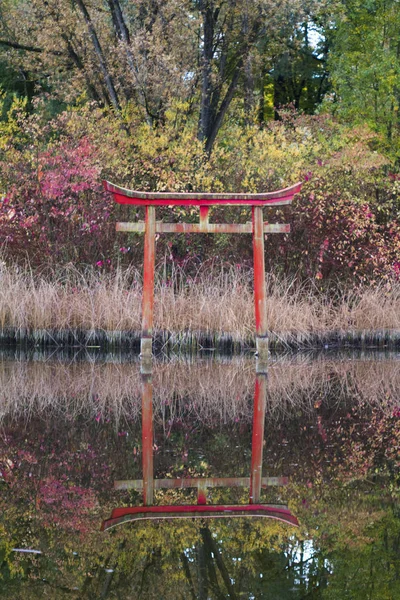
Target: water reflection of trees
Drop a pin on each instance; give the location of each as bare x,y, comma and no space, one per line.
332,426
180,561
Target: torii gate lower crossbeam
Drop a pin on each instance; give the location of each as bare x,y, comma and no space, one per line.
150,227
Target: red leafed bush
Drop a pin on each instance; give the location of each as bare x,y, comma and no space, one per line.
54,208
339,233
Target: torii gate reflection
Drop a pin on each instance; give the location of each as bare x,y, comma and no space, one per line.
203,510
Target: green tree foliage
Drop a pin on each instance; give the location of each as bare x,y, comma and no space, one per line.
365,65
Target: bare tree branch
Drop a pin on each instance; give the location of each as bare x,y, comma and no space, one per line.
18,46
100,56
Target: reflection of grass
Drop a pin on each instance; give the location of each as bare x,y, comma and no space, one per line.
101,308
207,391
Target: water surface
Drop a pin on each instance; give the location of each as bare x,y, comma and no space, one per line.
80,438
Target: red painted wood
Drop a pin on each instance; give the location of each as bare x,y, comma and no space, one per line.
259,272
121,199
202,227
147,440
148,275
201,493
134,513
257,442
194,482
201,510
125,196
204,200
204,215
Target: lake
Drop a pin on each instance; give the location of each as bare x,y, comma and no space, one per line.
202,478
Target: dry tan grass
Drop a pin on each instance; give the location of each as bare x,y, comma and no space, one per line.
213,304
209,391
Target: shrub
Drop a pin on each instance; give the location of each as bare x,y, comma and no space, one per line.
345,223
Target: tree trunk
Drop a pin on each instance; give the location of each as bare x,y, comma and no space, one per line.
224,53
206,8
123,34
248,91
100,56
216,123
209,541
80,66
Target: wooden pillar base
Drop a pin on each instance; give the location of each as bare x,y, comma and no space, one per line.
261,367
262,349
146,348
146,365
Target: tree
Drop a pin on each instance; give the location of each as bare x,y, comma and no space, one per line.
151,55
365,65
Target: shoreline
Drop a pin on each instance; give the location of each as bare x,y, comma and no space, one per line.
212,310
196,341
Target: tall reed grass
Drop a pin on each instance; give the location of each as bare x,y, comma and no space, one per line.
91,307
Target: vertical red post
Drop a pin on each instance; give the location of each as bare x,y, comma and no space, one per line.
260,393
202,492
259,283
204,216
148,283
147,439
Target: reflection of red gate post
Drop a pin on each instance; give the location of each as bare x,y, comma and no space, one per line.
147,439
257,444
204,201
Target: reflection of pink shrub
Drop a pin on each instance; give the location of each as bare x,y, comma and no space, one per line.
67,505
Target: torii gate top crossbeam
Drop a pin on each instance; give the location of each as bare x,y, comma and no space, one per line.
277,198
123,515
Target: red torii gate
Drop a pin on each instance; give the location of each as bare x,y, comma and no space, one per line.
204,200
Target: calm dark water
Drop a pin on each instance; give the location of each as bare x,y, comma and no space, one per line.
314,441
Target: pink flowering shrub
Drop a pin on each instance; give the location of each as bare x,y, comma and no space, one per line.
66,505
53,208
